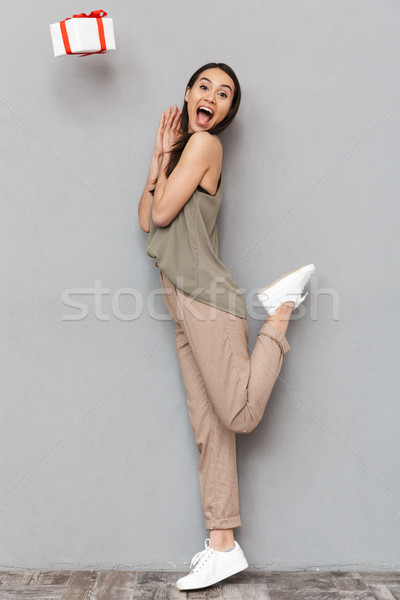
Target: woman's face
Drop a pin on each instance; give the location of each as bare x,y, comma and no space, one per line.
209,99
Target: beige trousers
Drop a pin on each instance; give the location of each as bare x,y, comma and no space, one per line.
227,391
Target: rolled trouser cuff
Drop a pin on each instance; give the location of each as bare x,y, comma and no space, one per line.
224,523
276,335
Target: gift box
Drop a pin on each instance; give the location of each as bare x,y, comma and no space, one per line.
88,34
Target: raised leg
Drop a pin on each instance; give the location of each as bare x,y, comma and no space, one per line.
238,385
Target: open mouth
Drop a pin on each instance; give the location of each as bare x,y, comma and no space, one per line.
204,115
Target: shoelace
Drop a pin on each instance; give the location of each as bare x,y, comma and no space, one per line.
202,554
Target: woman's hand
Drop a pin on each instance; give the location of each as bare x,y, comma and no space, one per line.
158,150
171,128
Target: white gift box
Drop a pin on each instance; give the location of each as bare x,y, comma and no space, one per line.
83,34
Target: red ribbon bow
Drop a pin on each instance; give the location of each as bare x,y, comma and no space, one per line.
95,14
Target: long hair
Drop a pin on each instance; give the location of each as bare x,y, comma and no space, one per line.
178,146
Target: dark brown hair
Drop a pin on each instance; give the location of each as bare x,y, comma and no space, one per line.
185,136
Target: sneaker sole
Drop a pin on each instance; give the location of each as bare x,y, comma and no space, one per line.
306,268
239,566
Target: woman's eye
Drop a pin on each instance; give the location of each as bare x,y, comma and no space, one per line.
204,87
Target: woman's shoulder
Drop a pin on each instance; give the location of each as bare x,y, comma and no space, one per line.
206,141
205,137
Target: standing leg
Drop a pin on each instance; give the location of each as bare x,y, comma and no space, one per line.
216,444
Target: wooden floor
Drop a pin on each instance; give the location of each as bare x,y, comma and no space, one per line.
159,585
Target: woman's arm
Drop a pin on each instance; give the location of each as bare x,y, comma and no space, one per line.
202,151
147,196
155,166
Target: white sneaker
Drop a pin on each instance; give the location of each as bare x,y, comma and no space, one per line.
287,288
210,566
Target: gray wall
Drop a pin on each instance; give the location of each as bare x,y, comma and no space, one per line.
99,461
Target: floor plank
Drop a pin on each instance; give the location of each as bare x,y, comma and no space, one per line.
306,594
50,578
381,592
395,590
294,580
380,580
80,585
349,581
246,591
156,584
37,592
17,578
114,585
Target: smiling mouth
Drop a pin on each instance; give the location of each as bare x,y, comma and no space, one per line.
204,115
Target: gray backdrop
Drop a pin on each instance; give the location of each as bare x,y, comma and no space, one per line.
99,464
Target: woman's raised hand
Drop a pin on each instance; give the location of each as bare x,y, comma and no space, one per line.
168,130
171,128
158,151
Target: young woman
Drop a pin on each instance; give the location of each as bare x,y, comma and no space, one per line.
227,390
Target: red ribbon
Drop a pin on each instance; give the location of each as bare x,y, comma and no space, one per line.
95,14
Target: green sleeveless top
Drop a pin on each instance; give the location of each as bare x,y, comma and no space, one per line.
187,252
